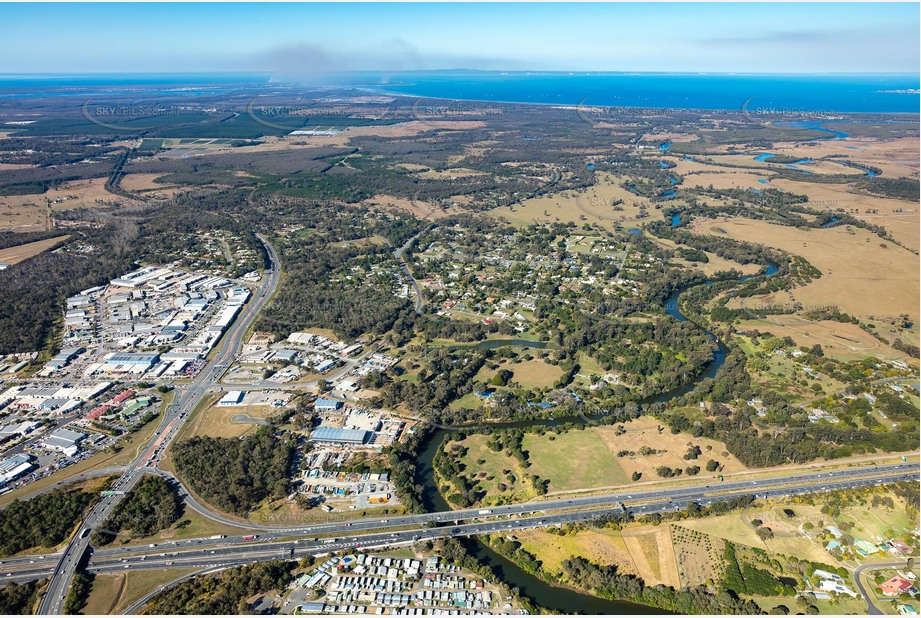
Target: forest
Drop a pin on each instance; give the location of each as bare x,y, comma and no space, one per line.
42,521
152,505
20,599
226,593
607,582
236,474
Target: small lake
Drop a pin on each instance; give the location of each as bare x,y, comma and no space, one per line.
668,193
676,220
665,146
635,231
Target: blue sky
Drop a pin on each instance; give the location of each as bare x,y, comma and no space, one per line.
305,39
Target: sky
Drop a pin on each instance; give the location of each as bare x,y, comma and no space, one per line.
317,39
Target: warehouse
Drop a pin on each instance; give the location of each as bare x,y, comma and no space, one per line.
64,440
326,405
14,467
231,398
131,358
334,435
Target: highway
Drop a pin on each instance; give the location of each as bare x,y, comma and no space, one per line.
680,493
186,399
208,552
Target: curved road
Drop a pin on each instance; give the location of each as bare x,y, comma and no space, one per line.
186,399
872,610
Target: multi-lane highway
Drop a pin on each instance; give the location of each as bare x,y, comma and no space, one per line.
209,552
187,397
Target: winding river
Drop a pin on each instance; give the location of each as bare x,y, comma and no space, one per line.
556,598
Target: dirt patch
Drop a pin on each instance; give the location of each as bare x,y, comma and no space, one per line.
419,209
14,255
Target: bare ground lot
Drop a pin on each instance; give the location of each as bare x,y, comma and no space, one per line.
420,209
34,212
14,255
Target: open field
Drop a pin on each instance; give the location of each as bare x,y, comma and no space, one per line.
113,593
839,340
899,217
219,422
422,210
861,274
586,459
14,255
145,183
573,460
716,263
594,205
645,551
35,211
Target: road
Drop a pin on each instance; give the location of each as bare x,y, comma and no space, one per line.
398,255
209,552
186,399
872,610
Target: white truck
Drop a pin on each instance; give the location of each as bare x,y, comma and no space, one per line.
485,512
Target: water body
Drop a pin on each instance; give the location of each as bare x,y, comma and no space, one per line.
869,172
831,222
760,93
764,156
546,595
672,179
590,166
665,146
676,220
635,231
816,125
668,193
663,164
763,181
756,191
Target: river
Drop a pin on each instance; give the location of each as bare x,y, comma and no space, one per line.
555,598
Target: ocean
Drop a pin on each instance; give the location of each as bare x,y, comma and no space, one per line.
760,94
789,95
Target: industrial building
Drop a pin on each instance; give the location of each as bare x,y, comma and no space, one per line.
326,405
334,435
231,398
14,467
64,440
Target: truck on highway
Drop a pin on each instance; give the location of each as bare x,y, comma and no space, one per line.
250,537
218,536
484,512
329,541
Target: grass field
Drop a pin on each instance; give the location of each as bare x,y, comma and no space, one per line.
14,255
218,422
113,593
586,459
861,274
577,459
593,205
645,551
